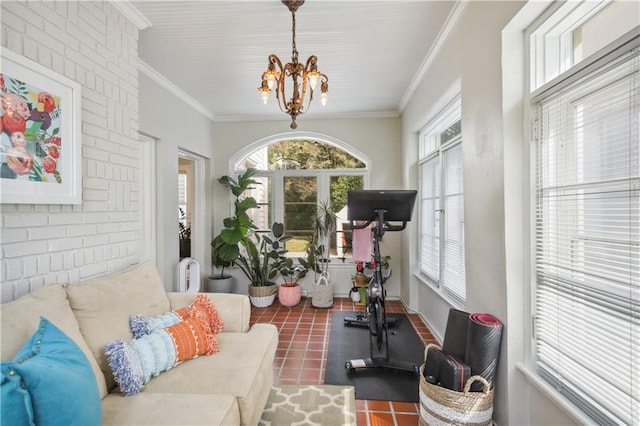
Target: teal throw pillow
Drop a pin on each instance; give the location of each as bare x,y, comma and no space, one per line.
50,382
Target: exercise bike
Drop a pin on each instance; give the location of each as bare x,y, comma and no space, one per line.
381,208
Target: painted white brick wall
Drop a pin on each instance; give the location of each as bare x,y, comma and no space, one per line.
91,43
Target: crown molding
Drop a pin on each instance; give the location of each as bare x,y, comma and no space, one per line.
132,13
144,68
446,30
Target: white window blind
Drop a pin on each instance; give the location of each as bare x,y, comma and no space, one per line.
430,208
587,254
442,205
452,278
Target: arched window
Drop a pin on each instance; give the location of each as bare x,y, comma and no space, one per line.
298,172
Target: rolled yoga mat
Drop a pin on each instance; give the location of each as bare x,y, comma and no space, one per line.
455,335
483,347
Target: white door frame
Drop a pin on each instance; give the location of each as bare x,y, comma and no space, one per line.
198,242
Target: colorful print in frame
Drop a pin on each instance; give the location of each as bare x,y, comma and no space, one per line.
39,134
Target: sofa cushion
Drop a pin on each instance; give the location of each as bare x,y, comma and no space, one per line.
103,306
170,409
201,308
50,378
234,309
135,363
20,319
243,368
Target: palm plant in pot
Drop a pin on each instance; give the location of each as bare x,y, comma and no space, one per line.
290,291
225,247
318,256
261,261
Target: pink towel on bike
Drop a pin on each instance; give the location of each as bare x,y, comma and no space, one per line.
362,245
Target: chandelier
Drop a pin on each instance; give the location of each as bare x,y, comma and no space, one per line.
274,77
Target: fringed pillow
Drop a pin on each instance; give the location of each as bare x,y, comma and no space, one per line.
134,363
202,307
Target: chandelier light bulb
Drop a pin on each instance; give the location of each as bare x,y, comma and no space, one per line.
265,96
313,79
324,88
271,80
265,91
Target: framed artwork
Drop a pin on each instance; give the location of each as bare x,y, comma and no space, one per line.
40,129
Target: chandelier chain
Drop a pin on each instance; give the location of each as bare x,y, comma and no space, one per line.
294,54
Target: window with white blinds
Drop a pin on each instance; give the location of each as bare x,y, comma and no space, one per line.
587,237
442,205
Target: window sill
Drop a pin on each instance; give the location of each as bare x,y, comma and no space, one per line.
546,389
434,287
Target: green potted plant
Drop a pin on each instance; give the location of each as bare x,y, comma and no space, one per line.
385,265
290,291
225,247
318,255
359,278
184,235
385,268
261,261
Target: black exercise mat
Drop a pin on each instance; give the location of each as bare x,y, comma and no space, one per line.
352,342
483,347
455,334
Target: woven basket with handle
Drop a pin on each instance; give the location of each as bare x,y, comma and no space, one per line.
322,296
439,405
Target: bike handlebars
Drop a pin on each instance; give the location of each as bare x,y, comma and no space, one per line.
381,220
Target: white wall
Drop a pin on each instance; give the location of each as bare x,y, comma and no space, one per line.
176,125
472,59
378,138
92,44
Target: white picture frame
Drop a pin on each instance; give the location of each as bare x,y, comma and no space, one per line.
40,134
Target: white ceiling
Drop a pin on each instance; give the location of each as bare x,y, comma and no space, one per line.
215,51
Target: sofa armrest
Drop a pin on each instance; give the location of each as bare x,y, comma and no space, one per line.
234,309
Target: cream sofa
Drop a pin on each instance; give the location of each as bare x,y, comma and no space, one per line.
229,388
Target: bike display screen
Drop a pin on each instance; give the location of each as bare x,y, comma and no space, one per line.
398,204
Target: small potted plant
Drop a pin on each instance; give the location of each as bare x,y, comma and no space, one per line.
225,247
385,265
261,261
290,291
184,235
385,268
359,278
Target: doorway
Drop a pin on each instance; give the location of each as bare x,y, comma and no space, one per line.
191,205
185,205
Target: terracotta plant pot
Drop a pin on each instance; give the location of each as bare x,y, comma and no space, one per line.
289,295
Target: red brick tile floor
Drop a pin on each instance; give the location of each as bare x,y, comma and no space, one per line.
302,353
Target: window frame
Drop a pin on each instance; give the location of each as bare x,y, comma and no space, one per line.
431,149
323,176
533,96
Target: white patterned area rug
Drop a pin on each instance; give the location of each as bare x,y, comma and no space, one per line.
310,405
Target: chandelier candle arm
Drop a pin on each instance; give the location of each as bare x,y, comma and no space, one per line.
274,77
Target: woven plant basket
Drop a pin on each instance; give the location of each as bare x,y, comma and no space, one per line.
262,291
262,296
439,406
322,295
